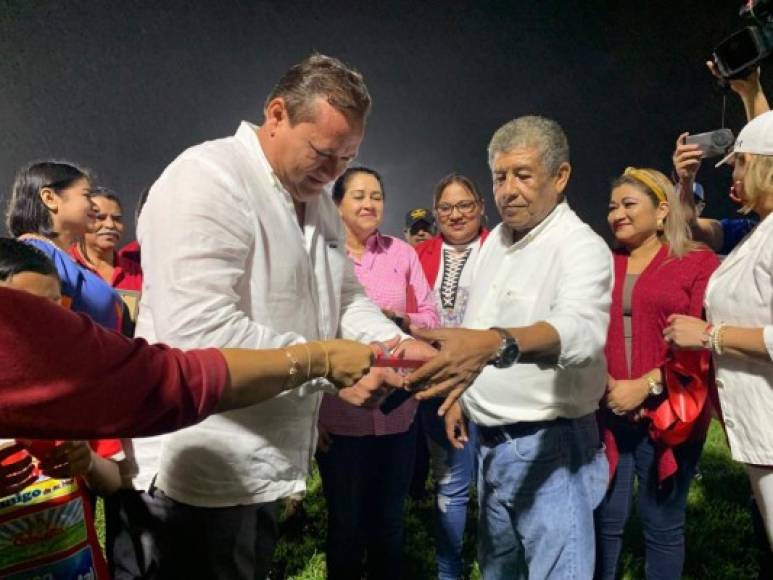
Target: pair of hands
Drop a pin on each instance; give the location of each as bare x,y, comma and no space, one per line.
460,356
450,369
69,459
447,372
371,390
627,396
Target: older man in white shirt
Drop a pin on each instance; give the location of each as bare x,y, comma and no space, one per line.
531,378
242,248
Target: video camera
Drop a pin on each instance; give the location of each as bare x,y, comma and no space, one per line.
738,54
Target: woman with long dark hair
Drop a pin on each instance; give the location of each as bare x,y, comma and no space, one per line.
51,208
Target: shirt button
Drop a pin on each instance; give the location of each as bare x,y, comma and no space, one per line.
720,384
729,423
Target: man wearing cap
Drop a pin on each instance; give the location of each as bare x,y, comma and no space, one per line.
532,355
419,226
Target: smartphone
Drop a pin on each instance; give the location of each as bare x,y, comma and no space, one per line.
394,400
712,143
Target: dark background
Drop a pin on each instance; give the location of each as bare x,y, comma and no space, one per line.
123,87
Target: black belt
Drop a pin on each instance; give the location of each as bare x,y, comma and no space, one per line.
493,436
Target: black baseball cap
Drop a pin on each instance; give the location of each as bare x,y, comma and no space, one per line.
420,214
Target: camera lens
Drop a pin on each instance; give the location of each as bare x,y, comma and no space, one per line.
722,138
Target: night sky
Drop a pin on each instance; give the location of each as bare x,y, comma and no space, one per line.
124,87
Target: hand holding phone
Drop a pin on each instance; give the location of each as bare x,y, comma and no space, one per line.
712,143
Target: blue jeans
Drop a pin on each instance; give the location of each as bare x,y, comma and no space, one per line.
538,485
661,507
365,481
453,471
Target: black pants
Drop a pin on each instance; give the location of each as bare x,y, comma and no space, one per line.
132,533
366,481
151,536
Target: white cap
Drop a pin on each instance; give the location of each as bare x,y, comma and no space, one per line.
756,137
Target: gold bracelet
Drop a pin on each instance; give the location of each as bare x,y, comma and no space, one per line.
293,371
308,360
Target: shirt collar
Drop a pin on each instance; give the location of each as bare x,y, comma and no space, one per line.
376,242
559,210
374,245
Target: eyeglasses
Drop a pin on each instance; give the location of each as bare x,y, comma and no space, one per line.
465,207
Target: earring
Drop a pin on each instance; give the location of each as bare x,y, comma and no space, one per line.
661,224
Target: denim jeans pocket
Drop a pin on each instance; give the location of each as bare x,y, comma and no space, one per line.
528,466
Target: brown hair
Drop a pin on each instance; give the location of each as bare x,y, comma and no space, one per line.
322,76
461,180
676,230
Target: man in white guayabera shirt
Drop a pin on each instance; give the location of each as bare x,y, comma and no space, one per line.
242,247
531,373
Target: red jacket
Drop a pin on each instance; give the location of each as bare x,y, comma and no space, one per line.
667,286
131,251
430,253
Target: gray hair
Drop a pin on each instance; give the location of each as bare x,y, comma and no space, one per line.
532,131
322,76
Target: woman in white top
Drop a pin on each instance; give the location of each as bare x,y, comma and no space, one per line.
739,310
448,260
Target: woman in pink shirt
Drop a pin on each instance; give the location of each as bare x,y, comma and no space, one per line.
365,456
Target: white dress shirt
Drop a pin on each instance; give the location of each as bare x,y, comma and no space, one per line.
740,293
226,264
559,273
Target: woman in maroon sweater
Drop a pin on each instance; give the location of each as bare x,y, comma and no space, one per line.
656,414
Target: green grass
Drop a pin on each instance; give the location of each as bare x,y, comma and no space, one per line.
720,543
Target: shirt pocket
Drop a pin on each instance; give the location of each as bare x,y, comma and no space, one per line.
336,261
518,308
